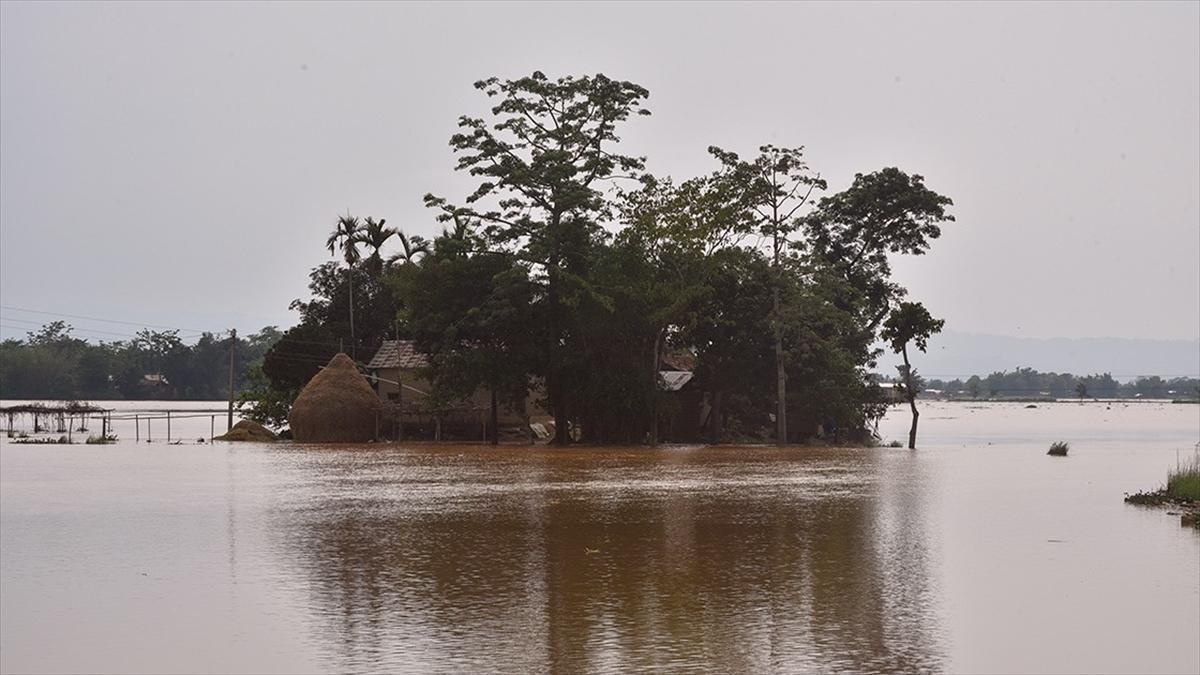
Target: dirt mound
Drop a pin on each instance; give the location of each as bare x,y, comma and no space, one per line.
247,430
336,406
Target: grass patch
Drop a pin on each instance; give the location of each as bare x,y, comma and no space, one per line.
1059,449
1183,482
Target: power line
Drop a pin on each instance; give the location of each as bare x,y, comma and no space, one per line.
76,329
94,318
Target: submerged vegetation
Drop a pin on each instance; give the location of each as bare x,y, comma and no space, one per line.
1183,482
1059,449
1182,489
569,272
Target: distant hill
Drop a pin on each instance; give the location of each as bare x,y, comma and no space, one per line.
953,354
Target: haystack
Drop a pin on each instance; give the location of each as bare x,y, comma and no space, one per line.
336,406
247,430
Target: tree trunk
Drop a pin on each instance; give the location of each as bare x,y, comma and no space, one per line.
554,382
715,427
495,419
912,399
654,389
350,285
780,378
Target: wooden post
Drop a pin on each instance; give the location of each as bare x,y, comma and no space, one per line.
212,425
149,438
399,406
437,428
168,426
70,425
232,346
137,429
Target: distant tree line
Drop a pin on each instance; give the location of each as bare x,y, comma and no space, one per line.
50,363
570,270
1029,383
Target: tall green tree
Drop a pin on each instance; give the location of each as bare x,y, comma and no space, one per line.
410,249
911,323
346,236
881,213
472,312
544,159
374,234
777,183
671,230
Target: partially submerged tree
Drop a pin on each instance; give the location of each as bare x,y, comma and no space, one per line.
910,322
472,313
543,160
671,231
884,212
776,184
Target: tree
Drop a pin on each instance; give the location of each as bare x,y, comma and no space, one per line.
884,212
346,235
669,232
1081,390
374,234
543,160
910,322
471,312
777,184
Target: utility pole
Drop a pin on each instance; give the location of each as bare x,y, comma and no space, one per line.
232,347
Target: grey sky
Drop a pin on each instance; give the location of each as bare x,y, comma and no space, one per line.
181,164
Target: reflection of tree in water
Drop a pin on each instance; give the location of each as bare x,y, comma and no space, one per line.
576,562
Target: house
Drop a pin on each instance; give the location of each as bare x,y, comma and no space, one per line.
398,374
397,367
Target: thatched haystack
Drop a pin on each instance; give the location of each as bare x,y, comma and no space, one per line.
336,406
247,430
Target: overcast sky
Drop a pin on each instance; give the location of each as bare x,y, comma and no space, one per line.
182,164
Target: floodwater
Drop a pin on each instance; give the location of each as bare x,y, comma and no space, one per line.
976,553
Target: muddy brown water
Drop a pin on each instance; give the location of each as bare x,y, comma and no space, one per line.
976,553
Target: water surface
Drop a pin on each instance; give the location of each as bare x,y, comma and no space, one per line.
976,553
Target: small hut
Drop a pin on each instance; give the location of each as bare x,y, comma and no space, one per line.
336,406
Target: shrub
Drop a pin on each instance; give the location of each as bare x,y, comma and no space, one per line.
1184,481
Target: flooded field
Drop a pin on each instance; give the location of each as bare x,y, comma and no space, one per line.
975,553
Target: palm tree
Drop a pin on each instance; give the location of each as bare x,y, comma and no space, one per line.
412,247
346,236
375,235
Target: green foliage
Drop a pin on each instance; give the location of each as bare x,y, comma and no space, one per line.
543,161
1183,482
261,402
910,323
50,364
474,315
1027,383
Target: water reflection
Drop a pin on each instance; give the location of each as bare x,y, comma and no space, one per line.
715,559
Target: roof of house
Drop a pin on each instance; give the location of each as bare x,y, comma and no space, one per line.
673,380
677,361
398,354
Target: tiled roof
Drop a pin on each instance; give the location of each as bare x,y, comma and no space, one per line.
398,354
678,361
